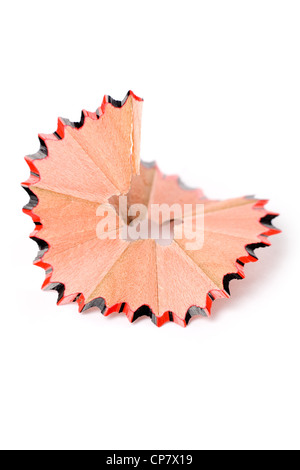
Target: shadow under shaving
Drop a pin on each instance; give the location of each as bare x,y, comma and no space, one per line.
255,273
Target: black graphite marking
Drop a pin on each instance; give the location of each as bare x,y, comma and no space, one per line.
33,202
117,103
122,307
194,311
142,311
253,246
228,278
267,221
148,164
99,303
60,289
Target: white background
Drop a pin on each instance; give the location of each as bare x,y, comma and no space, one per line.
221,83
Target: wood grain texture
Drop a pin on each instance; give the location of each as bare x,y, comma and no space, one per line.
81,167
132,278
181,283
70,170
109,142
